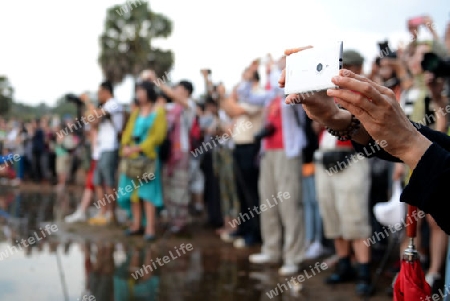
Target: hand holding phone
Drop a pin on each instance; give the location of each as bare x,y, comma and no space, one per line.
312,69
416,21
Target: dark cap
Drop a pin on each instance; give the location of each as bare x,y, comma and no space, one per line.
352,58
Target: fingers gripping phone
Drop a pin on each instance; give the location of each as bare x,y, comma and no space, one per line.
312,69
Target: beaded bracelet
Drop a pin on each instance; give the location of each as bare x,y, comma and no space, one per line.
346,134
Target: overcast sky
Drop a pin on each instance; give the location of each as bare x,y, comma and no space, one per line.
50,47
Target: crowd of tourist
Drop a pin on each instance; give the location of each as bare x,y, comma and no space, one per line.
259,169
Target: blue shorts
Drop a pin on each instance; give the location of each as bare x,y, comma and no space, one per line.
106,169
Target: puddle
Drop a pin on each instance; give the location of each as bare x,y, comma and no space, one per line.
42,258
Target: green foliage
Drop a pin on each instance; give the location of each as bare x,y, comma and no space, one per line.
6,95
27,112
126,43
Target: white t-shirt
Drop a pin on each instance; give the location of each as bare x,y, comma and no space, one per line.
108,129
95,153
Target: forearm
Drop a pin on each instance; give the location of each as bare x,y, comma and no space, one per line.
406,81
245,93
208,86
434,34
231,108
417,146
174,96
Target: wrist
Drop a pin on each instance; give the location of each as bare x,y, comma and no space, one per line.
414,151
340,120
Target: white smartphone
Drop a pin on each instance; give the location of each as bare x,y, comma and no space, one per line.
311,70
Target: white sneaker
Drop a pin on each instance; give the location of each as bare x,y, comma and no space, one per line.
288,269
76,217
314,251
239,243
260,276
262,258
227,237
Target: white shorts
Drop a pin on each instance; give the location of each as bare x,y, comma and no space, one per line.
196,177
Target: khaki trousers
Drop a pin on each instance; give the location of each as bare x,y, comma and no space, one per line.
280,185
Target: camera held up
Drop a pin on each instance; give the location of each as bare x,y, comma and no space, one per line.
434,64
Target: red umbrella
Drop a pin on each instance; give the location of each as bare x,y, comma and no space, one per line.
410,284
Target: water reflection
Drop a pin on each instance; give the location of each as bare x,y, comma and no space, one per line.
97,264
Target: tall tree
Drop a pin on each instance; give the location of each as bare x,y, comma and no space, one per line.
126,43
6,95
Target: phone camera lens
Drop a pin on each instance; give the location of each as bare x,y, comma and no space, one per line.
319,67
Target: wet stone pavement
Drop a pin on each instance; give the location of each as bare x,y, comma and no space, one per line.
41,258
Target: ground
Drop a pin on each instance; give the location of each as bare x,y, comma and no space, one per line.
195,265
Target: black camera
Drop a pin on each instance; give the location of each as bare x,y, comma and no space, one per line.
385,50
435,65
74,99
267,131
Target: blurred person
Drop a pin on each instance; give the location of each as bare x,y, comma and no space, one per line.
389,67
80,214
420,104
7,173
424,150
281,172
312,216
134,105
109,118
245,161
208,114
47,141
2,133
28,150
414,30
211,194
63,157
223,168
87,247
196,176
144,133
209,86
102,272
180,115
51,151
15,143
144,288
38,150
374,74
343,199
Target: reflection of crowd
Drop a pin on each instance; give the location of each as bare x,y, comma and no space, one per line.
33,150
283,151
